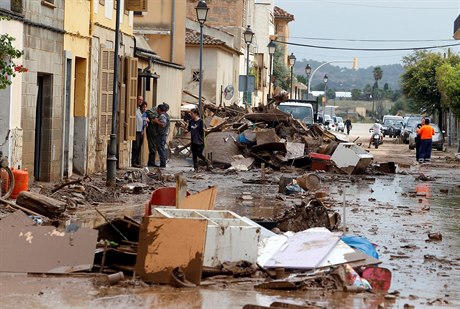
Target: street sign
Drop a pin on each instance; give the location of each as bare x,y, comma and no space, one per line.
242,83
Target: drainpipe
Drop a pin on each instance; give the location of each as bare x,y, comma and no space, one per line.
173,23
91,17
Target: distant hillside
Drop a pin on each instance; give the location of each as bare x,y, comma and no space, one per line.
344,78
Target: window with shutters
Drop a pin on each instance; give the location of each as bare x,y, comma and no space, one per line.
131,97
106,92
136,5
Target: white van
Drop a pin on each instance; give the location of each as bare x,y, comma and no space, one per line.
299,110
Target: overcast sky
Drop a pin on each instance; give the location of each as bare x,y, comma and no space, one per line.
331,23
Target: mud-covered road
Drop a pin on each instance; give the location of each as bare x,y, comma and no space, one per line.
394,211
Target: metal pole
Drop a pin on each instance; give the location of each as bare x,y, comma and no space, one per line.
200,107
112,155
270,83
292,70
325,99
246,92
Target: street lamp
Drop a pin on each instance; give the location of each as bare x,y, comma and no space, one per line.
308,72
248,34
325,79
291,60
271,50
112,151
201,14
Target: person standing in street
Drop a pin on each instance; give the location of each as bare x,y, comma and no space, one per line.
196,129
348,125
141,122
162,128
426,133
151,132
417,139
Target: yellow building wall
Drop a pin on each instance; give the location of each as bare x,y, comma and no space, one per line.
159,19
104,15
77,23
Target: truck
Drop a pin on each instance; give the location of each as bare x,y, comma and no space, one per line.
301,110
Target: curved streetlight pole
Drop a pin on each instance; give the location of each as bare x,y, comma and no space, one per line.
314,71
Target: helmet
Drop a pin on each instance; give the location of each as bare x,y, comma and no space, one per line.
377,121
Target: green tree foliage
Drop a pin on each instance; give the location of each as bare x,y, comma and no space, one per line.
448,82
419,81
356,94
281,73
7,55
378,74
302,79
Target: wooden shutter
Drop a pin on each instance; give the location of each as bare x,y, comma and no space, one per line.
136,5
131,96
106,98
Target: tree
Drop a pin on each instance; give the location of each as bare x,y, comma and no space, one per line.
356,94
7,55
302,79
378,74
448,82
281,73
419,82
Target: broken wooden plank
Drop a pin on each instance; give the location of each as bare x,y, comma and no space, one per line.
16,206
266,136
268,117
41,204
203,200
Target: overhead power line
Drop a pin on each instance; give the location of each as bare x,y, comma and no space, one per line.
369,49
369,40
361,4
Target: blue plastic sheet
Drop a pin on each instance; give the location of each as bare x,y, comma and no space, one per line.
361,243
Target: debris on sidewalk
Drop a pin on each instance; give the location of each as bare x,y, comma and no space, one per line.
41,204
45,249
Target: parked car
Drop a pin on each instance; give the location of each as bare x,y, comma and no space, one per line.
388,121
395,129
329,123
409,125
339,124
438,138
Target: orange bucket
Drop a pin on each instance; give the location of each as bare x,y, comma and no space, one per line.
21,182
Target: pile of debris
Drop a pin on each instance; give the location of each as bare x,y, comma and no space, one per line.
183,239
272,137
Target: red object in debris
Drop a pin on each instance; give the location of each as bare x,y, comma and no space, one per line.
21,182
378,277
162,197
319,162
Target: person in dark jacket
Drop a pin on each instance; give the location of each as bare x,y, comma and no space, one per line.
151,132
196,129
162,129
348,125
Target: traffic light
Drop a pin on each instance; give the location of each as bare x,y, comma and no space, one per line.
355,63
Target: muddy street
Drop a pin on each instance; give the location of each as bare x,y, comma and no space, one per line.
395,212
